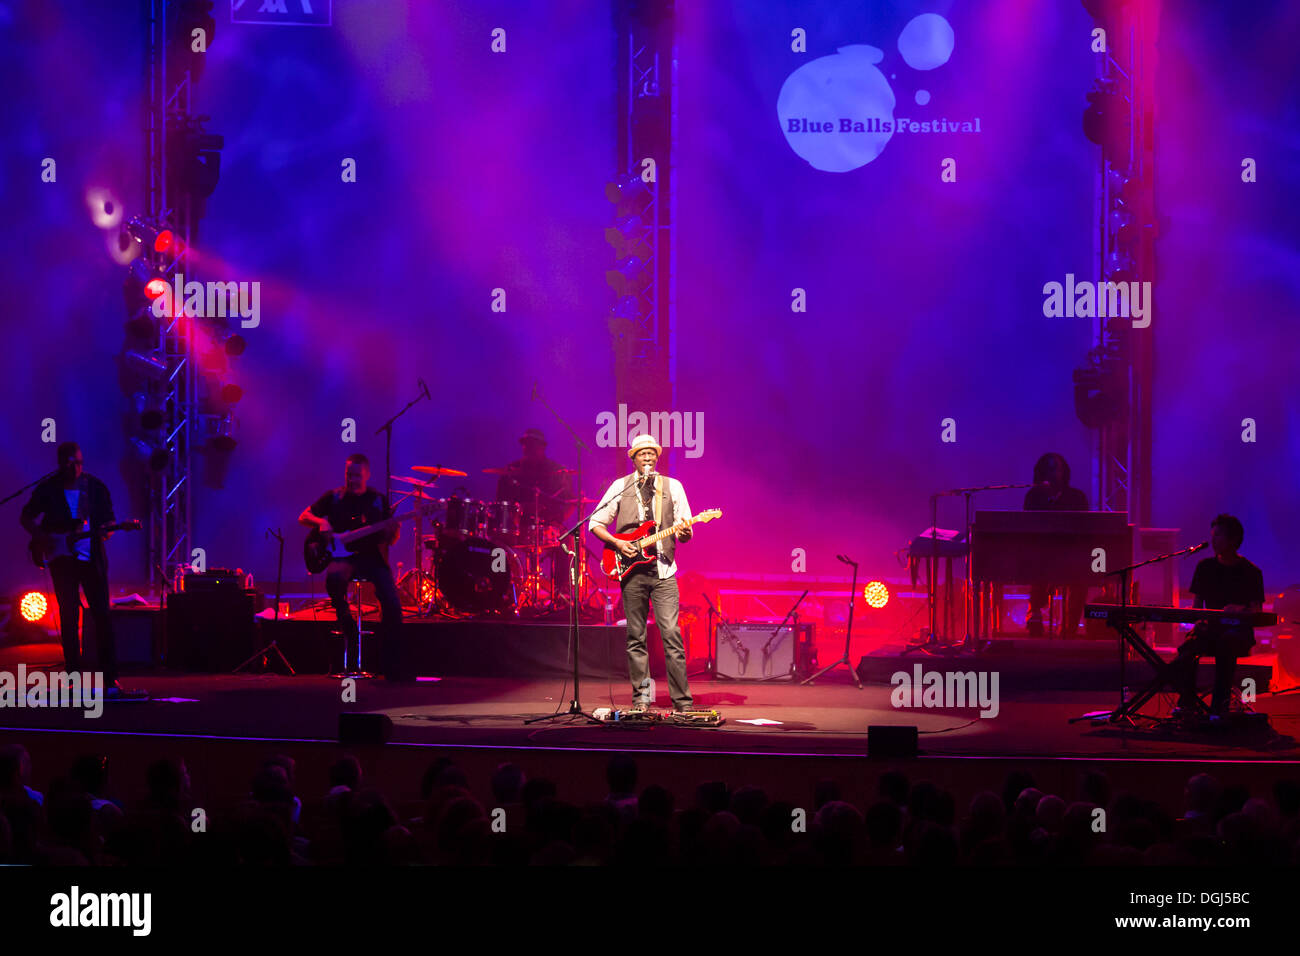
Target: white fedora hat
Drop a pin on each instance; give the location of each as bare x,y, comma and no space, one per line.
643,441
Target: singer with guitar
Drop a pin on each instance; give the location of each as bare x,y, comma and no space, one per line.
68,517
631,501
353,506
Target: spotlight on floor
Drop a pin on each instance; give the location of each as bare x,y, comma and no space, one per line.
876,594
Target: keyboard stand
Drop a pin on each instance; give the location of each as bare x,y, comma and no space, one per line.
1129,710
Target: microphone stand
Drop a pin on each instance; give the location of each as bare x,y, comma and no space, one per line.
575,702
31,484
737,645
848,632
1125,711
387,429
767,645
273,646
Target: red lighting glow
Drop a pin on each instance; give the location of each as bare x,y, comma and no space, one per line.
876,594
154,288
164,241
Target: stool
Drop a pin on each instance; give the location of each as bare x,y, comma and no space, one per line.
356,671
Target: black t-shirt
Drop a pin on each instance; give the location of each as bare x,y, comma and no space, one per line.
1039,498
347,511
1219,584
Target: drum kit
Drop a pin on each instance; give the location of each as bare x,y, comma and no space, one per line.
476,557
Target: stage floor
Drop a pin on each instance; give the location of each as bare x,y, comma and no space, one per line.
830,718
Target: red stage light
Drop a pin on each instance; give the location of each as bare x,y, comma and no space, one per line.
163,242
876,594
154,288
32,606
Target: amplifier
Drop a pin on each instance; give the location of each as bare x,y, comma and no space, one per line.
215,579
212,631
748,650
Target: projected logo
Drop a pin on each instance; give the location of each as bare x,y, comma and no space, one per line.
837,112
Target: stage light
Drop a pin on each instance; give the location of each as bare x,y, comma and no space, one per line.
1106,119
1122,225
33,606
157,238
626,308
154,288
1120,267
194,159
876,594
630,191
148,455
629,275
231,393
235,345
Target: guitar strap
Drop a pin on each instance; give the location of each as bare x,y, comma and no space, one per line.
660,481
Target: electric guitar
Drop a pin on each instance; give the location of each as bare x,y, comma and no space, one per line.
44,547
322,547
617,565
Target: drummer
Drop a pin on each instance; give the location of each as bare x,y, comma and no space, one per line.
535,472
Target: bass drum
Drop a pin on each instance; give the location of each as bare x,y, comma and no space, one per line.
477,576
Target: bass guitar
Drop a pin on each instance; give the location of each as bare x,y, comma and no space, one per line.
617,565
322,547
44,547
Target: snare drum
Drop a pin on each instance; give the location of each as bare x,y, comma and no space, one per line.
505,519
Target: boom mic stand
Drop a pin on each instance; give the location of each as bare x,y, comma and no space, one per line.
387,429
767,645
742,652
848,632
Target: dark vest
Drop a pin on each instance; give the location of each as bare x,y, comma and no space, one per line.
628,516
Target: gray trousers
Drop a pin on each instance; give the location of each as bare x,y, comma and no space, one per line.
640,589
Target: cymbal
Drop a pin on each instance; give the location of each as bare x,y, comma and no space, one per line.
513,469
440,471
412,481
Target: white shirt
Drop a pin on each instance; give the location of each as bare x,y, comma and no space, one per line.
681,511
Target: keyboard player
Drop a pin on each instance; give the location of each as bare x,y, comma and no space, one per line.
1229,582
1052,492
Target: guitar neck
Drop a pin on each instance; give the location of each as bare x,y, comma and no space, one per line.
660,535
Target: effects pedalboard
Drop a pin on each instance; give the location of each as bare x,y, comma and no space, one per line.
689,718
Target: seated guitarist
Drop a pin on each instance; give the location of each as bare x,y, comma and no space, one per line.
634,499
73,500
353,506
1228,582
